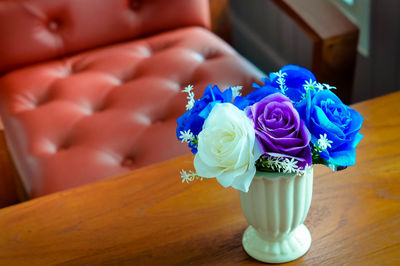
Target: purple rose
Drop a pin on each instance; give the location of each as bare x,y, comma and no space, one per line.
279,129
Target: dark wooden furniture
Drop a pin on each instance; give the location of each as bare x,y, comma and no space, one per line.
149,217
11,189
220,23
334,39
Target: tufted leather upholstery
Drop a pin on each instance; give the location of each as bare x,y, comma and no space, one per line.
35,30
107,111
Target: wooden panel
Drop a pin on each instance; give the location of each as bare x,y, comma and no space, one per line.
11,189
335,41
150,218
220,23
320,18
379,73
267,36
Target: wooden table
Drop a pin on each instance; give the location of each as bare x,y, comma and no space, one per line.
150,218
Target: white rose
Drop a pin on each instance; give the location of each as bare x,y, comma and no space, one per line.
226,147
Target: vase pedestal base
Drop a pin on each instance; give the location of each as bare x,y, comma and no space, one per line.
295,245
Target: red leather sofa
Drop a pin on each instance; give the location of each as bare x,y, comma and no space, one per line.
91,89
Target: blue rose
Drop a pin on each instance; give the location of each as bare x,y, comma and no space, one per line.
294,78
194,118
324,113
255,96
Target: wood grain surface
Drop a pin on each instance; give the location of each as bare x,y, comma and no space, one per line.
150,218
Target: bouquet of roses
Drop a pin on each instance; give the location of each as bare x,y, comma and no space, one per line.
286,125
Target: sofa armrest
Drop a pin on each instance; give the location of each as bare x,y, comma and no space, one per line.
11,188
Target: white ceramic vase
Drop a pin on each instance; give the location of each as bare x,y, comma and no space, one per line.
276,207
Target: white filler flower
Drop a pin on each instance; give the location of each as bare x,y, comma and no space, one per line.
227,148
323,142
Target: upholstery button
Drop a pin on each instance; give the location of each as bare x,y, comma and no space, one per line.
41,100
128,162
100,107
53,25
159,120
212,54
135,4
66,145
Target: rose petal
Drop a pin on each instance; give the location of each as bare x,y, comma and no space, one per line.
279,128
242,182
206,170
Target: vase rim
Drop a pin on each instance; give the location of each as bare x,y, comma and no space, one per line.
276,175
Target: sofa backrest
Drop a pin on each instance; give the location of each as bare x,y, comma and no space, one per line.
35,30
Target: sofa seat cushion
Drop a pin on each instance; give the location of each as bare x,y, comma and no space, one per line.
108,111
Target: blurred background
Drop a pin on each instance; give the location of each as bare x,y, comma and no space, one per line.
350,44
